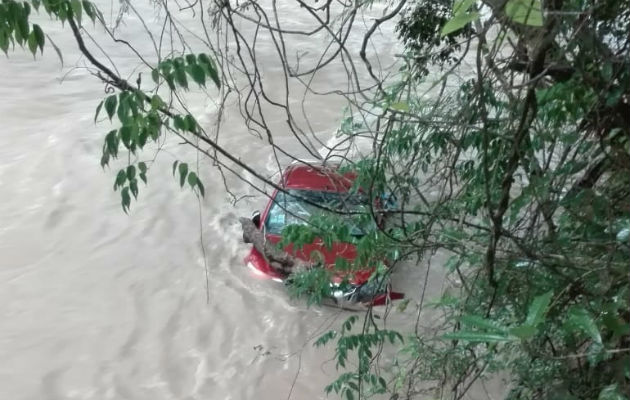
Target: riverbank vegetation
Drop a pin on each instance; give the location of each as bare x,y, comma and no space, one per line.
502,132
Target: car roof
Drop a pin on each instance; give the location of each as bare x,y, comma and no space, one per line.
325,178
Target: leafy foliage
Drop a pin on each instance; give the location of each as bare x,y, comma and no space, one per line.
142,116
366,345
174,71
518,169
420,29
528,165
15,27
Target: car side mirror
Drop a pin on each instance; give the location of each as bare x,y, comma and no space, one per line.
256,218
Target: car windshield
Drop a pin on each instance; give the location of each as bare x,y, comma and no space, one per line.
291,208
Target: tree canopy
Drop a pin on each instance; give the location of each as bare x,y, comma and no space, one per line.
502,131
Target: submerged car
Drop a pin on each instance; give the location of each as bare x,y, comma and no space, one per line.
306,187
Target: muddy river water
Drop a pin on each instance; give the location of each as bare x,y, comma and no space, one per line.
97,304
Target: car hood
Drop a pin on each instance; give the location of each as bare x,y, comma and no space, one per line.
317,250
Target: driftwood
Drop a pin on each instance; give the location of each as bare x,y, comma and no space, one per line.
280,260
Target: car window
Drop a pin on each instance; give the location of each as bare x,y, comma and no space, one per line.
291,208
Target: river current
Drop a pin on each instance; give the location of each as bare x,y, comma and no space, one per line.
97,304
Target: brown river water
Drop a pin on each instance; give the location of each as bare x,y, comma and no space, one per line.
97,304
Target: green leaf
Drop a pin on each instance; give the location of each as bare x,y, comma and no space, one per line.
104,160
133,185
154,121
18,37
27,9
170,81
111,142
462,6
143,135
399,106
523,332
166,66
89,10
175,166
382,382
4,41
198,75
128,133
180,123
180,76
32,43
62,11
607,70
155,75
614,95
123,107
98,111
121,178
191,124
110,106
458,22
76,10
526,12
192,180
204,59
191,59
341,264
40,37
202,189
126,199
156,102
23,29
470,336
183,171
402,305
211,68
325,338
611,392
596,353
126,105
142,166
580,319
612,321
538,308
481,322
131,172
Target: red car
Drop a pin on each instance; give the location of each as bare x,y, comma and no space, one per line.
323,185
